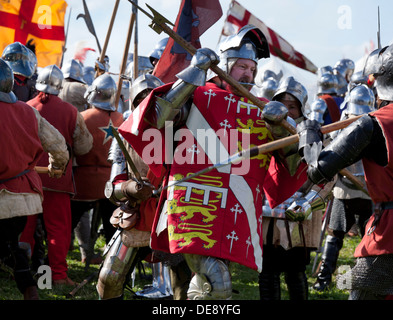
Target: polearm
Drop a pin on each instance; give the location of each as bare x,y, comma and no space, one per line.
266,148
159,24
65,40
125,57
108,34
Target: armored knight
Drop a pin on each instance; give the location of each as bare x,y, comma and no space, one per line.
214,218
133,241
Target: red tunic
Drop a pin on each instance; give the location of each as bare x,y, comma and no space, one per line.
219,213
380,186
94,169
62,116
20,148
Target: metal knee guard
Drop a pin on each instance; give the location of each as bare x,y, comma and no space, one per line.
212,280
114,270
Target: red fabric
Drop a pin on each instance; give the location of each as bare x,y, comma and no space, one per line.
279,185
21,148
93,169
238,17
135,127
194,18
224,220
380,186
57,220
62,116
334,109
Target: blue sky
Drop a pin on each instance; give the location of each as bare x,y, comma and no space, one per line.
323,30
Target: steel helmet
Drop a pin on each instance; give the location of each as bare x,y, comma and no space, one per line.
248,43
373,62
295,88
74,70
6,83
21,59
144,66
50,80
102,92
346,67
143,83
327,84
384,75
156,53
361,100
317,110
88,74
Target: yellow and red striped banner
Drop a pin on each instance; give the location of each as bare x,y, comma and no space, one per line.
40,20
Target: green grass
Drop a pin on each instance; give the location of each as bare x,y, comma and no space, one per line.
245,281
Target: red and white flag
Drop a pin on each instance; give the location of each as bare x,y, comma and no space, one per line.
193,19
238,17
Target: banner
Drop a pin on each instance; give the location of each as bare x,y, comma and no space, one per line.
238,17
193,19
39,20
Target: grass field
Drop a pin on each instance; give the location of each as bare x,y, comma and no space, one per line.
245,281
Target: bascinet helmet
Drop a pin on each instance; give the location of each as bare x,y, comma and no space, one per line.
50,80
373,62
102,92
295,88
6,83
74,70
21,59
345,67
248,43
144,66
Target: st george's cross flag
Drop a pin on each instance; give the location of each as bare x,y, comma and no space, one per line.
39,20
238,17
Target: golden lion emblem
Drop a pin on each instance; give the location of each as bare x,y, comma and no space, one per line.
190,210
198,231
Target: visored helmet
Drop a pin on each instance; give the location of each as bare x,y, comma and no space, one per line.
327,84
102,93
143,83
74,70
361,100
50,80
342,83
21,59
6,83
295,88
323,70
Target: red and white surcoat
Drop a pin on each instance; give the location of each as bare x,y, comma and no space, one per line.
218,213
380,186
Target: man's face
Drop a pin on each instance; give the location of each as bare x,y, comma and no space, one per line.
293,105
243,70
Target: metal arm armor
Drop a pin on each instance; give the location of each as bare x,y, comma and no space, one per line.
344,150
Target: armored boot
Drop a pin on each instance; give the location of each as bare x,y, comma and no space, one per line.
330,254
297,285
269,286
